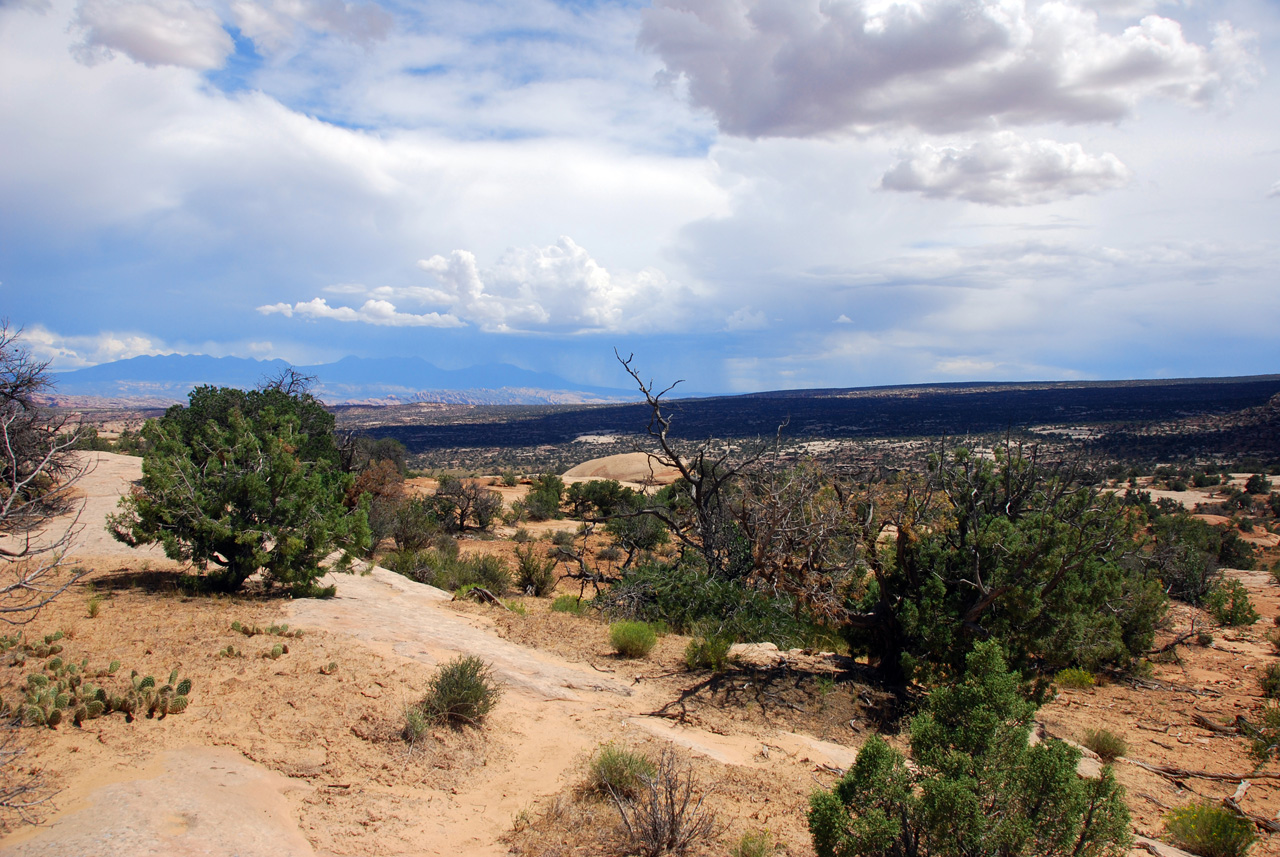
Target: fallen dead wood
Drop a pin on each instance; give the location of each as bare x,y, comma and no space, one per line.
1175,642
1263,823
1152,684
1186,774
482,594
1205,723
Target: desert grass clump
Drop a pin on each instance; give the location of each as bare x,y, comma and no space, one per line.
461,693
618,771
754,844
569,604
708,652
668,814
1105,743
535,574
1076,679
1209,830
632,639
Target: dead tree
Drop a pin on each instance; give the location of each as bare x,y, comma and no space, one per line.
38,472
703,519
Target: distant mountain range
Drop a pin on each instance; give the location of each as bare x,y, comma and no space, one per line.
351,380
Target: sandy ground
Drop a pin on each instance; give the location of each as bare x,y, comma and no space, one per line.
288,760
302,755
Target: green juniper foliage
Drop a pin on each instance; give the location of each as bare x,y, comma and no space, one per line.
1009,548
243,480
979,788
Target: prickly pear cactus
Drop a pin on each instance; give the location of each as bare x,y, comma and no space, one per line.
184,687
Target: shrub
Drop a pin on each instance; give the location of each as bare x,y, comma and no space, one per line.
618,771
1257,484
543,500
417,523
1075,679
443,568
1105,743
535,575
754,844
1270,681
684,596
461,693
1210,831
1266,738
707,652
1229,604
562,538
521,536
668,814
632,639
977,787
569,604
610,553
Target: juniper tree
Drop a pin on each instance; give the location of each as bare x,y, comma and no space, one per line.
244,481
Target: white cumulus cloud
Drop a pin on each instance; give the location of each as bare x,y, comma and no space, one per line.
378,312
798,68
152,32
75,352
559,287
1005,169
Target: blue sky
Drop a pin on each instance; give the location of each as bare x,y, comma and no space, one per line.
748,194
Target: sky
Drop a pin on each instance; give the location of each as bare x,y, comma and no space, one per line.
746,194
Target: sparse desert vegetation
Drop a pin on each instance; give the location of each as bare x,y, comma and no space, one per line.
629,668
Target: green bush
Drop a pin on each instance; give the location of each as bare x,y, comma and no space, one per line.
245,481
1075,679
632,639
1209,830
418,523
443,568
1257,484
1229,604
619,771
707,652
754,844
685,596
1270,681
535,574
569,604
543,500
1105,743
462,692
977,787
